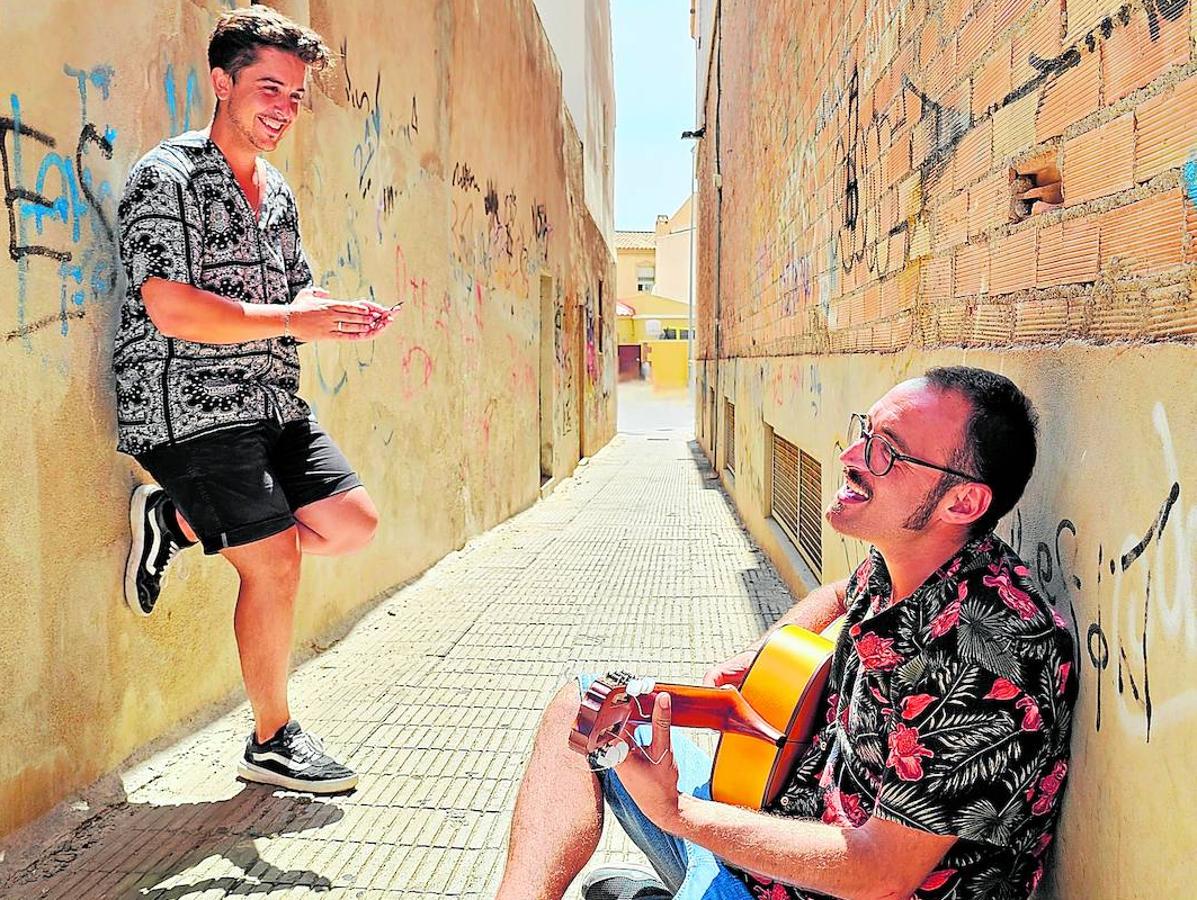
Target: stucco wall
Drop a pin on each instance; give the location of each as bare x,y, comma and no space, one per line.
435,165
669,361
863,214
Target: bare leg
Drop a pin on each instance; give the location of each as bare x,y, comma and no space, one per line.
558,815
263,623
337,525
185,526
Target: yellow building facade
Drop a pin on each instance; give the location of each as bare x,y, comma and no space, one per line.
435,165
654,285
660,328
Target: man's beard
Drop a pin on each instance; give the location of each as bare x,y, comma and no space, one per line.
246,130
918,519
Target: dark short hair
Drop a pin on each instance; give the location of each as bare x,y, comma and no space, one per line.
239,34
999,436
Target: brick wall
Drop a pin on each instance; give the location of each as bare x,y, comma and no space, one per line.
897,173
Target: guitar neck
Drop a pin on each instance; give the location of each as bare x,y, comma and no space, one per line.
719,709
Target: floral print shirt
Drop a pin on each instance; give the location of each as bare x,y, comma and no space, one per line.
184,218
949,712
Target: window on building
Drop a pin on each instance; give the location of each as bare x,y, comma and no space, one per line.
796,500
810,511
646,278
684,334
669,334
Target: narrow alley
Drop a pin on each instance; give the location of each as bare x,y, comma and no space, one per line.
638,561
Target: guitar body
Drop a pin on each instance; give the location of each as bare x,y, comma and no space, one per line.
765,725
785,685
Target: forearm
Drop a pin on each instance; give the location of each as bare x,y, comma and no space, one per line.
829,859
816,610
186,312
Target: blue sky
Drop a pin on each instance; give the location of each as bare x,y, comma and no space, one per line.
654,104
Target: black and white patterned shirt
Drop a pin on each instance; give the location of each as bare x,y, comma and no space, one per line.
184,218
949,712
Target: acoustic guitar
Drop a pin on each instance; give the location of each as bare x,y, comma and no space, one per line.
765,725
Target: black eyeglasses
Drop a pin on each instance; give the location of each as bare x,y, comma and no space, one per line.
880,455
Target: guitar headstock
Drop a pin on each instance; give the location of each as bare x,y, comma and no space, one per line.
602,715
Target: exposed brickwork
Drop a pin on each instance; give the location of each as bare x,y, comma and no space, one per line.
1143,50
1146,236
866,172
1100,162
1068,97
992,82
1164,129
1068,253
1012,262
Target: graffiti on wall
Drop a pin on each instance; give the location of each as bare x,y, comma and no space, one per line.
871,234
178,111
60,207
1125,597
381,133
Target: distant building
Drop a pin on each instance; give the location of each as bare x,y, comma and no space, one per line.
653,290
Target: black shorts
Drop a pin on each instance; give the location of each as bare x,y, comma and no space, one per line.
242,484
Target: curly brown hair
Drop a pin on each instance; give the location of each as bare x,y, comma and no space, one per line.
238,35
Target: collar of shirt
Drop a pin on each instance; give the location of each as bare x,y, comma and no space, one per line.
871,584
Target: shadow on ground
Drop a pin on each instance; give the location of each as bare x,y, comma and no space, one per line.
175,839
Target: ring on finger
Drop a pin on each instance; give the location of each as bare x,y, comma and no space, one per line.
340,325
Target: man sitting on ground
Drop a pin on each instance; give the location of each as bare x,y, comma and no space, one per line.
939,770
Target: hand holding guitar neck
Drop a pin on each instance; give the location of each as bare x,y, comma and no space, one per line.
765,725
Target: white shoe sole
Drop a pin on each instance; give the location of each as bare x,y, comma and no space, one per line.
136,546
250,772
621,870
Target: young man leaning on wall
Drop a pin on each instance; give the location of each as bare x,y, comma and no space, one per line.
207,374
944,741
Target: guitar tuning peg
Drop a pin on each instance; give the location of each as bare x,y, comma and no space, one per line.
637,687
608,757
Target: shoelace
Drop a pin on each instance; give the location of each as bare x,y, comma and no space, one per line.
308,746
172,550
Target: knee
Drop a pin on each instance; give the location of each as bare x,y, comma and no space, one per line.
562,711
355,534
367,527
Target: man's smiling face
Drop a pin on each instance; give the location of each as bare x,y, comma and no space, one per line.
263,100
920,421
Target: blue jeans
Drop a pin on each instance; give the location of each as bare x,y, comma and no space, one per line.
691,872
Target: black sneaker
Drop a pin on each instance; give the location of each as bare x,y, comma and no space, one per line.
295,759
625,882
155,542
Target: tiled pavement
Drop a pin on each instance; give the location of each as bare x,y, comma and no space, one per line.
637,561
